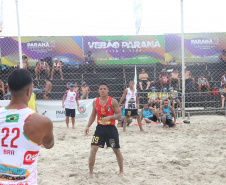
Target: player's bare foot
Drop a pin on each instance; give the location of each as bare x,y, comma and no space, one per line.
142,130
121,174
90,175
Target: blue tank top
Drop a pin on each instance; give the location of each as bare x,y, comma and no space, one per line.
202,81
123,111
147,113
166,111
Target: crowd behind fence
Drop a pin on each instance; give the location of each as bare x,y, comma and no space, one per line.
204,81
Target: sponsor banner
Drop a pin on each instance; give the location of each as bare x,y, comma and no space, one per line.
199,47
125,49
55,111
66,49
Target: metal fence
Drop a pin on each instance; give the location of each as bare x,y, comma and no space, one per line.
113,59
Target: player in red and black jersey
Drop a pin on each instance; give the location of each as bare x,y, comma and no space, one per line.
107,110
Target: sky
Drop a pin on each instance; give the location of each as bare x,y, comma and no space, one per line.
111,17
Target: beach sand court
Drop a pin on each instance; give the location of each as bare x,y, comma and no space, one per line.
195,153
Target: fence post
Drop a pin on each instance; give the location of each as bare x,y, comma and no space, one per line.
182,57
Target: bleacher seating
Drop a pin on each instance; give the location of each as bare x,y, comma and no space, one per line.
118,76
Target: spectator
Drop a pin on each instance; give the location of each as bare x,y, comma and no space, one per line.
222,58
89,62
164,78
25,62
57,67
31,103
173,97
153,98
175,77
163,96
84,91
149,114
76,88
42,66
223,80
223,95
2,89
48,89
143,80
68,85
7,90
189,79
203,84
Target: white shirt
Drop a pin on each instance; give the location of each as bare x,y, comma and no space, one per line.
70,100
131,101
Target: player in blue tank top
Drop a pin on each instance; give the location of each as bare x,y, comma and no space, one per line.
120,121
165,112
148,115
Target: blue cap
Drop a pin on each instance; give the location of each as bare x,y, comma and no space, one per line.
71,85
170,88
152,88
164,89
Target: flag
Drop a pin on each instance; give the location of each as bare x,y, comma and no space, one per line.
137,14
135,77
12,118
1,15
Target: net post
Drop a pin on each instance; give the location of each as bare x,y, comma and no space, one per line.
19,36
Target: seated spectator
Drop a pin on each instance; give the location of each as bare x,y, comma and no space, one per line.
153,98
189,80
42,66
48,89
121,121
164,78
57,67
143,80
25,62
149,114
76,88
203,84
68,85
222,58
223,95
163,96
2,90
173,97
7,90
89,62
84,91
175,78
223,80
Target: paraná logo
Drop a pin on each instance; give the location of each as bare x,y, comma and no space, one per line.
82,109
29,157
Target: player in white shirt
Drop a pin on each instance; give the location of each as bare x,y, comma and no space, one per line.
70,99
22,132
131,104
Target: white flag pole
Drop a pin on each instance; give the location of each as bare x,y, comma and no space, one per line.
182,56
135,77
19,37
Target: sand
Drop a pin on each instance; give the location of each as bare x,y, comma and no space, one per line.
193,154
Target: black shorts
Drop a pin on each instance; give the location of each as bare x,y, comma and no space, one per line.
70,112
49,95
131,112
154,118
106,134
169,122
